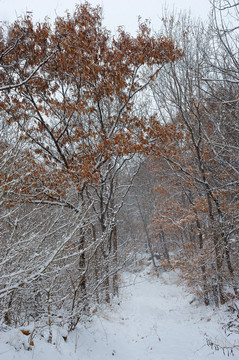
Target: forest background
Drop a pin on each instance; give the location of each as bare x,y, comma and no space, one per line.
113,146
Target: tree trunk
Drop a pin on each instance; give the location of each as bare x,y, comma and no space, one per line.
115,260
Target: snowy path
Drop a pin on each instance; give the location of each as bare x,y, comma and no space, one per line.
154,321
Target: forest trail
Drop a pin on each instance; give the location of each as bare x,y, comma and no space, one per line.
153,319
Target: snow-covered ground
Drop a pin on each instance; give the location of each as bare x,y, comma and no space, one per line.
154,319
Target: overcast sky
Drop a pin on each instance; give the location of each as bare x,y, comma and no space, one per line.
116,12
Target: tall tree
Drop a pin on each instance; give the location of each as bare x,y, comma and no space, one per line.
78,117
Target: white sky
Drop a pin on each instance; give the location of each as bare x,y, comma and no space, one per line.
116,12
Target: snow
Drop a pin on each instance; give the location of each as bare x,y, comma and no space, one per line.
154,318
